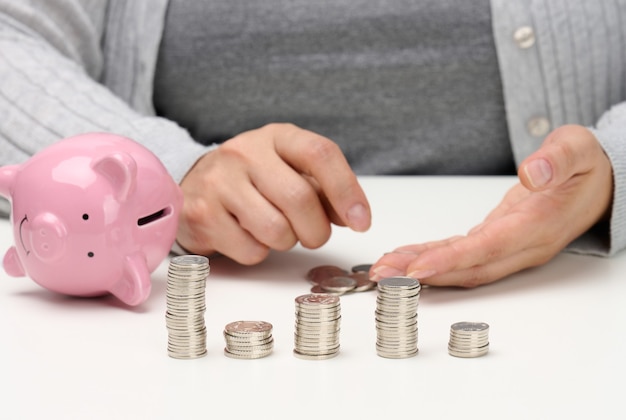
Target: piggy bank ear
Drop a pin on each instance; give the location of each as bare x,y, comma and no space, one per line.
120,169
7,176
134,286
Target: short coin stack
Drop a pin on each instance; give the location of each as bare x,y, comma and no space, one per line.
469,339
248,339
186,304
396,317
318,318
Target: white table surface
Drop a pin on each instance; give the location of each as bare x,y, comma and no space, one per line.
558,345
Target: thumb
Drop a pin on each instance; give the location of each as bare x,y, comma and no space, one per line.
564,153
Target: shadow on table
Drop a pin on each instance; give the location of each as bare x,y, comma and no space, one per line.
75,302
279,267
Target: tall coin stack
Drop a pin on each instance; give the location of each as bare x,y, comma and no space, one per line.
396,317
318,318
469,339
186,304
248,339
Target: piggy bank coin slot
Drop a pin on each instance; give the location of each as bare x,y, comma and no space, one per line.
157,215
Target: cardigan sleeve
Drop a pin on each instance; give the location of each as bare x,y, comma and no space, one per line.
561,63
50,87
611,133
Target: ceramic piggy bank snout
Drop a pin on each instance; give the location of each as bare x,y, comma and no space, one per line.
45,237
92,214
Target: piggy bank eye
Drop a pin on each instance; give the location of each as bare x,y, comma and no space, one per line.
90,254
85,216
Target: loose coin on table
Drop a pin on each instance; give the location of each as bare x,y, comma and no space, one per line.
318,318
338,281
469,339
186,304
248,339
338,284
319,273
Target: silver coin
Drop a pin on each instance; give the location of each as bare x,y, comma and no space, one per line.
248,341
312,340
396,354
316,346
467,342
319,300
468,354
246,356
361,268
363,282
404,346
399,282
469,326
248,327
233,348
314,356
318,327
189,260
176,355
313,311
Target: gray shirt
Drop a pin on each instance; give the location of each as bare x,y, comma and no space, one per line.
404,87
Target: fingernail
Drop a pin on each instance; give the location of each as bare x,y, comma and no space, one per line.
358,218
539,172
386,271
422,274
401,251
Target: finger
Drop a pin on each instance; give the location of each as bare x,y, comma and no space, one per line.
320,158
256,215
205,230
293,197
396,262
566,151
391,264
497,240
493,271
419,248
328,207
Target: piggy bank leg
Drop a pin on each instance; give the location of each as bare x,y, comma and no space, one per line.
134,287
12,264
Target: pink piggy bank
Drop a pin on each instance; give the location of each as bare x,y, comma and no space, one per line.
92,214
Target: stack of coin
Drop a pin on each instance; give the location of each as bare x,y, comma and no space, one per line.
396,317
318,318
337,281
468,339
186,304
248,339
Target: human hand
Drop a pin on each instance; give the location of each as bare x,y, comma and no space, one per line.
269,188
565,188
